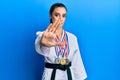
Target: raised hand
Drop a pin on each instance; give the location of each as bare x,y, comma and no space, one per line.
48,37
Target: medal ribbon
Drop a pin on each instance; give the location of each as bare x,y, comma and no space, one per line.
64,50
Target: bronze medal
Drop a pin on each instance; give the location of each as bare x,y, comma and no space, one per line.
67,61
63,61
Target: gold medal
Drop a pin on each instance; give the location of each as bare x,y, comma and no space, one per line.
63,61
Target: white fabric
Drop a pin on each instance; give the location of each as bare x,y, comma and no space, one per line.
77,68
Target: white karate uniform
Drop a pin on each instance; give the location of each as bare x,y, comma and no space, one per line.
77,68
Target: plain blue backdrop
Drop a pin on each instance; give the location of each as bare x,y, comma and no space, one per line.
96,23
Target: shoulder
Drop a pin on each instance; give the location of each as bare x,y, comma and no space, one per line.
71,35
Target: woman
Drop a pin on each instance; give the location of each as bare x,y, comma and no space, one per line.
60,49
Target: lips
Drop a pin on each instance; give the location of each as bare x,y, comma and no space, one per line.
61,22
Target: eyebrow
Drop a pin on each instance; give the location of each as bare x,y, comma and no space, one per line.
59,13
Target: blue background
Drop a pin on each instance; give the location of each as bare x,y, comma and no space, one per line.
96,23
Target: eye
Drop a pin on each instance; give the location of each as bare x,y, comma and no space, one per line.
56,14
64,15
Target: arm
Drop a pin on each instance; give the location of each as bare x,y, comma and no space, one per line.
78,67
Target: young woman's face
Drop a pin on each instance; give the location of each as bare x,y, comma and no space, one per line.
59,13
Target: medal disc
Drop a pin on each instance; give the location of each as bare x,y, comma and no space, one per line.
57,60
67,61
63,62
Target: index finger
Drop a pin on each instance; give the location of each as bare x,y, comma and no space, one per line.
55,25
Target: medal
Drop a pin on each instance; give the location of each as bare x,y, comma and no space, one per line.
62,50
57,60
63,61
67,61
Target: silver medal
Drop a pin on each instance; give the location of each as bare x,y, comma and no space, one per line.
57,60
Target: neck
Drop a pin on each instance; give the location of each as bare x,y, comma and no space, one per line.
59,32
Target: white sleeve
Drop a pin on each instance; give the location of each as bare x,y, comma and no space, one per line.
78,67
39,48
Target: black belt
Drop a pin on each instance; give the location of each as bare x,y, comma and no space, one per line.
61,67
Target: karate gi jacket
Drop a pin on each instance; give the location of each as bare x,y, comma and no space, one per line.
77,68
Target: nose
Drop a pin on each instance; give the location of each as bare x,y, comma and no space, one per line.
60,20
60,17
